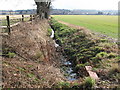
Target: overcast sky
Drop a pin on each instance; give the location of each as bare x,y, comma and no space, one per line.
61,4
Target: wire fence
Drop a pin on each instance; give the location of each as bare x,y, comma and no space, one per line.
6,23
13,20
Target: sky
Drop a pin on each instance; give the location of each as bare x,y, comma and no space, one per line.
61,4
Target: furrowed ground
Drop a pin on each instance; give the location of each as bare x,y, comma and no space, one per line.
107,25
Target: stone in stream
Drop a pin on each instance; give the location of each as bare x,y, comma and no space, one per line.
92,74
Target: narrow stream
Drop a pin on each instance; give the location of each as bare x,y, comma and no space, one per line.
66,66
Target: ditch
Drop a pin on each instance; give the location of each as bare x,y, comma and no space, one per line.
66,65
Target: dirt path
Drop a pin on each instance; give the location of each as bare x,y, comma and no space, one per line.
71,25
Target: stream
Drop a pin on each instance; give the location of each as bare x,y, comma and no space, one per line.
66,66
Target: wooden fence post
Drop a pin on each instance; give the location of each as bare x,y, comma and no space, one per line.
34,17
30,17
8,24
22,18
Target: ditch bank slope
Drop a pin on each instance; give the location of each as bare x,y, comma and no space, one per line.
29,57
86,49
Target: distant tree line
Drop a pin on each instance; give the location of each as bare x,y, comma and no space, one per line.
83,12
60,12
17,12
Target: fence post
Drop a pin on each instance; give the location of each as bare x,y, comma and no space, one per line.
33,16
30,17
8,24
22,18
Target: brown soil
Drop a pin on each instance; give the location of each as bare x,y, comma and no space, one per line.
34,63
18,73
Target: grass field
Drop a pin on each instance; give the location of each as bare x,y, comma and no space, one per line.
12,16
3,21
107,25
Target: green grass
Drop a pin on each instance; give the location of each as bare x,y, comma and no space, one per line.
107,25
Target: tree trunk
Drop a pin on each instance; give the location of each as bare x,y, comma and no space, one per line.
43,9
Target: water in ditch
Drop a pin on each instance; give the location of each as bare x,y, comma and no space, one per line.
66,66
